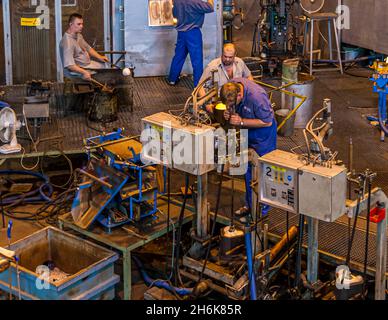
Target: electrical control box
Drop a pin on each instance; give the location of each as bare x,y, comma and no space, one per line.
279,29
289,184
279,180
322,192
188,148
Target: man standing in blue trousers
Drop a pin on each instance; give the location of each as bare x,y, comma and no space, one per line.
190,15
253,111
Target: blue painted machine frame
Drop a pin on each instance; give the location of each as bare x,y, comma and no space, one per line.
132,163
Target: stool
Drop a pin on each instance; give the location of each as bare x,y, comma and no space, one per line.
331,19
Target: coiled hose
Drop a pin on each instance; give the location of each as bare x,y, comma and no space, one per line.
43,193
161,283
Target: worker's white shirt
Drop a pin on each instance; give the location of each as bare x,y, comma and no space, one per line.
240,70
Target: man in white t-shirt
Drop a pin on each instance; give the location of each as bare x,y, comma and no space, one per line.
76,53
228,67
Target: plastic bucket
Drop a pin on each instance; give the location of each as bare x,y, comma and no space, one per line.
290,70
288,129
349,53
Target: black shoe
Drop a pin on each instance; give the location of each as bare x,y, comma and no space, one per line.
243,212
170,83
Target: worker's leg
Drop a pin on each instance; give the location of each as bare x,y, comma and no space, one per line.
179,58
195,47
248,188
248,194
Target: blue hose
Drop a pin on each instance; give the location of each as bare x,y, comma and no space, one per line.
160,283
251,272
30,196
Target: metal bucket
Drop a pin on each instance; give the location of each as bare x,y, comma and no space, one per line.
104,107
54,265
123,85
304,87
288,129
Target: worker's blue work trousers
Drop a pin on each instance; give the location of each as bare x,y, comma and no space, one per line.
248,194
188,42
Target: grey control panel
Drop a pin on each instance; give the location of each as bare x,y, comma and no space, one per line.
279,180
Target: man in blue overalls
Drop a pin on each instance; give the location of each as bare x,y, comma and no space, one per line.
253,111
190,15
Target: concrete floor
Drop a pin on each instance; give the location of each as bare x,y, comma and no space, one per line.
352,100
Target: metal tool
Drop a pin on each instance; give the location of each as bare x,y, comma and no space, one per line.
103,87
9,233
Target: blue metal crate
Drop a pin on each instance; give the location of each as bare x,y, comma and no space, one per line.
90,268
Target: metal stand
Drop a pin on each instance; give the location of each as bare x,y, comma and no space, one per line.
250,263
312,253
202,207
330,18
381,260
2,210
253,158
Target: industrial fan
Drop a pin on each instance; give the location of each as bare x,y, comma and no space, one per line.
8,126
312,6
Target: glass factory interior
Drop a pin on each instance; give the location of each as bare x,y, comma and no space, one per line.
193,150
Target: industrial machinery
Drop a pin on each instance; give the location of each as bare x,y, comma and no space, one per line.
314,185
116,187
192,142
8,127
380,86
272,36
284,174
36,107
238,261
233,19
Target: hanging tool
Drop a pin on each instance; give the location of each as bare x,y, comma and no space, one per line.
9,232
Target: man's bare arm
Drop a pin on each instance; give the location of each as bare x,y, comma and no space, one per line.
236,120
254,123
85,74
93,53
